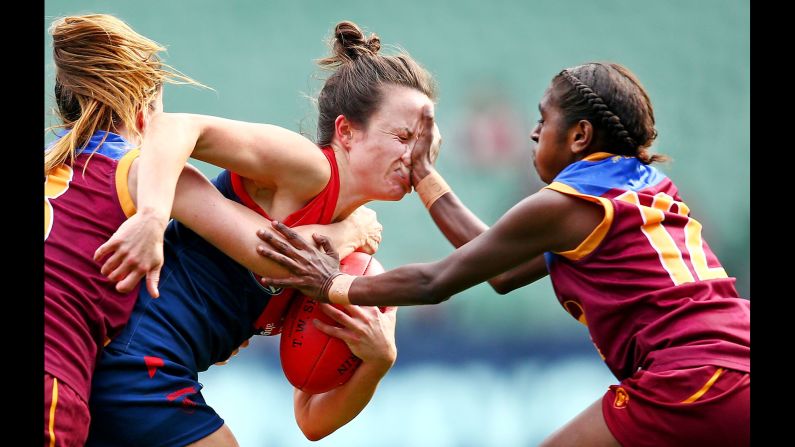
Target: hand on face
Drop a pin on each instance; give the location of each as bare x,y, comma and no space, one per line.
426,146
369,333
309,266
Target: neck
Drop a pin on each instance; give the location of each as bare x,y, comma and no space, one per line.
349,197
127,135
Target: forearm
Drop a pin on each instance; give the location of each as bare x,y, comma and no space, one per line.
319,415
460,225
167,145
231,227
516,243
408,285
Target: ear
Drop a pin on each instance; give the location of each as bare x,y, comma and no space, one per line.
140,121
343,131
581,135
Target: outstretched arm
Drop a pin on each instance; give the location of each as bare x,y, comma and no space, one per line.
458,224
545,221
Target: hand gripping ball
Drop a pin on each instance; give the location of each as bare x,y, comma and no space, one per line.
311,360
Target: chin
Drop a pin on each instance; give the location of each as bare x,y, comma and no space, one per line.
394,195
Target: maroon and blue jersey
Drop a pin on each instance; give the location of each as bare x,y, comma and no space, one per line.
645,283
146,389
85,202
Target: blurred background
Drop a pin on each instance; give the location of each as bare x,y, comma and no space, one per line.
480,369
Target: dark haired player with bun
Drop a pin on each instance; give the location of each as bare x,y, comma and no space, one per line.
624,255
146,389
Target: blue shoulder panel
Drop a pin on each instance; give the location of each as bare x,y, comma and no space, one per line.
595,177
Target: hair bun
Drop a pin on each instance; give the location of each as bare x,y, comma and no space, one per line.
349,44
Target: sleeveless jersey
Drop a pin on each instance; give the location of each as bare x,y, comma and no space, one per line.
209,304
644,282
82,209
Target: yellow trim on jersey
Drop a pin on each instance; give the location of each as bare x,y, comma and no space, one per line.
122,173
704,388
596,156
589,244
52,410
55,184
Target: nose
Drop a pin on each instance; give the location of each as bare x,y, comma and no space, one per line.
534,133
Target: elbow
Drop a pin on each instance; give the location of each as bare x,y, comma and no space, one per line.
314,436
500,288
313,433
437,299
502,284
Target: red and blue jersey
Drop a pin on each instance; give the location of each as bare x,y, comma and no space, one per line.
209,304
84,204
645,283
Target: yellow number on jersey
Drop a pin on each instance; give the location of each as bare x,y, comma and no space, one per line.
670,254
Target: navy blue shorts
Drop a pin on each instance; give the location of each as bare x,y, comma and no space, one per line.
140,400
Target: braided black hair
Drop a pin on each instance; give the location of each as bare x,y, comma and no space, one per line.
614,101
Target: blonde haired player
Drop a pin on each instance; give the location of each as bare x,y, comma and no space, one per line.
109,85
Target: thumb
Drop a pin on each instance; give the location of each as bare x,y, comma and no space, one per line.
152,280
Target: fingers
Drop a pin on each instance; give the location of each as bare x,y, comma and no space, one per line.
104,249
293,250
152,280
129,282
426,134
369,247
273,241
278,258
296,283
338,315
330,330
292,237
124,269
325,244
112,263
436,144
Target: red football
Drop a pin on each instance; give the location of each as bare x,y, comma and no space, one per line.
311,360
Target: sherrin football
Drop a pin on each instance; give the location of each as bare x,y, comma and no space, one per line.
311,360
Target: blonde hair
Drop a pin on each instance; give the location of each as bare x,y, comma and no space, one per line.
105,74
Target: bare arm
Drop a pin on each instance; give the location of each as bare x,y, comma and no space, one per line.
268,154
370,335
231,227
545,221
458,224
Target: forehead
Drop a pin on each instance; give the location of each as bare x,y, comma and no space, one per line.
400,106
545,104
